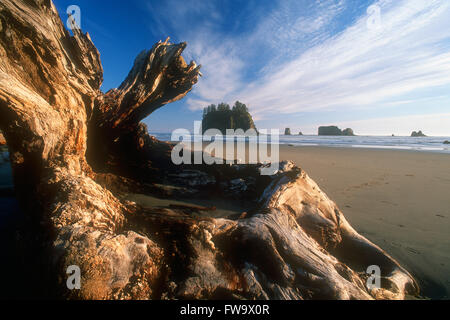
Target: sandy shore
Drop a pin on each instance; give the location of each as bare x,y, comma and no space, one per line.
400,200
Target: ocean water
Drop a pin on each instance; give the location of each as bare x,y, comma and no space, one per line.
424,144
9,206
6,179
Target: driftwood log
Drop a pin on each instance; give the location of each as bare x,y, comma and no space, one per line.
2,140
74,151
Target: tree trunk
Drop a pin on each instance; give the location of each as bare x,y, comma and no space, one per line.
159,76
74,150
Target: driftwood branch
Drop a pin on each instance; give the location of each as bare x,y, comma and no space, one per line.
159,76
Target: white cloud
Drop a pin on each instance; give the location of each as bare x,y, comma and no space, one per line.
284,32
360,66
196,22
221,70
298,24
305,67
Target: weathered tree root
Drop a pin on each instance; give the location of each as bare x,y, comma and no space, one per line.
295,244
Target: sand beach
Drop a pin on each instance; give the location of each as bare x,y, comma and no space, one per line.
400,200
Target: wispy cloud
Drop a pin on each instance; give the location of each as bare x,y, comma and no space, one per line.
198,23
430,124
361,66
297,25
306,56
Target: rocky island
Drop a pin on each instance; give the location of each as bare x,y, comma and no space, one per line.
418,134
223,117
335,131
77,153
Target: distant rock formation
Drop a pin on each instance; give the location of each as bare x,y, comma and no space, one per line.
446,142
348,132
418,134
287,132
330,131
300,133
223,117
335,131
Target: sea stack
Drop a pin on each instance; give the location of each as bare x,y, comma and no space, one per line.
222,117
287,132
348,132
335,131
418,134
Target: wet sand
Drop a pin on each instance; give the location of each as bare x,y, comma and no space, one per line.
400,200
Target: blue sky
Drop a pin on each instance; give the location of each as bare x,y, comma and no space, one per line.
380,67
